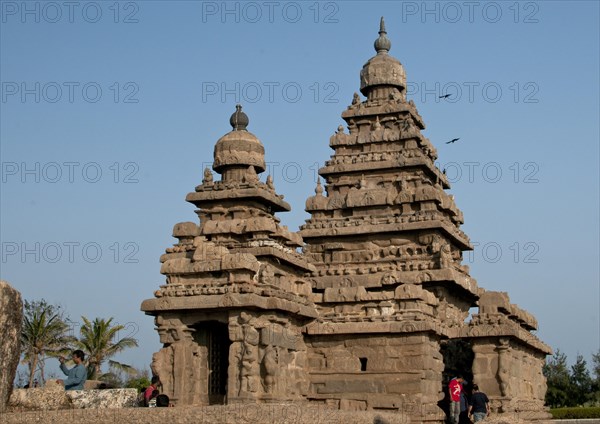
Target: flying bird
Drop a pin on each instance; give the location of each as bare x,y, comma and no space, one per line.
452,141
445,96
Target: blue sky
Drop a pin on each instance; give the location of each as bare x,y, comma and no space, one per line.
110,111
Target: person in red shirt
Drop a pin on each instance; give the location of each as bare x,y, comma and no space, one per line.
455,388
154,386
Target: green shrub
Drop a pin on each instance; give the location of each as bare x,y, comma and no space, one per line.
575,413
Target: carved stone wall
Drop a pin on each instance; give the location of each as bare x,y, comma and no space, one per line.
267,359
378,371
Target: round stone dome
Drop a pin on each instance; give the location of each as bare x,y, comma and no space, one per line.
239,148
382,69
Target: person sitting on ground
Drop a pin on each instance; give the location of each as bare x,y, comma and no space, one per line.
152,401
162,401
77,375
151,388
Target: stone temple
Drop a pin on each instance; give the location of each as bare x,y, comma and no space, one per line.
366,307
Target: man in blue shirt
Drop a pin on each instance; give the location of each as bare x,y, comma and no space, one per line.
77,375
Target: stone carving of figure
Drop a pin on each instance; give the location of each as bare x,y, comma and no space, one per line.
445,256
208,176
250,368
355,99
270,182
405,194
503,369
266,275
270,364
376,131
340,130
362,183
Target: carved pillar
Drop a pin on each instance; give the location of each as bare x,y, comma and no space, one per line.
503,372
178,363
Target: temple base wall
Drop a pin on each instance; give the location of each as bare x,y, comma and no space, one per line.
401,372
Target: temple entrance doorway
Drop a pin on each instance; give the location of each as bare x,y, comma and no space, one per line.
458,361
214,336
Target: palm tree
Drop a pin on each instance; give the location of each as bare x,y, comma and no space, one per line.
97,341
44,334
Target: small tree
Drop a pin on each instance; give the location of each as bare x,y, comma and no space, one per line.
596,380
44,334
140,380
97,341
581,382
557,376
596,365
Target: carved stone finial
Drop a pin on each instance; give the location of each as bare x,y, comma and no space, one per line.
239,120
382,44
319,188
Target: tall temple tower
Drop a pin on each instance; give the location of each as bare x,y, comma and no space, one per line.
387,247
374,314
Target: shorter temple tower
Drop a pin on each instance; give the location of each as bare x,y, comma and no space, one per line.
231,311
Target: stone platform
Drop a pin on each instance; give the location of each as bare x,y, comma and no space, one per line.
286,413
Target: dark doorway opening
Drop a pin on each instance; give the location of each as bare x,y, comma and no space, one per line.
214,336
458,361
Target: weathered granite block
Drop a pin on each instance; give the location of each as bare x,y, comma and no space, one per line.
11,317
48,398
108,398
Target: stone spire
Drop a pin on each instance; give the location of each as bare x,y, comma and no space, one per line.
382,76
382,44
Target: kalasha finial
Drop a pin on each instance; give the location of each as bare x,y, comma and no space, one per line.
239,120
382,44
319,188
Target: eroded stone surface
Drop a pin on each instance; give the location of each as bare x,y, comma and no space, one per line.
53,397
11,317
100,399
48,398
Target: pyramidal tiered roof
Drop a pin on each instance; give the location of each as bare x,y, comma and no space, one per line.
238,235
386,227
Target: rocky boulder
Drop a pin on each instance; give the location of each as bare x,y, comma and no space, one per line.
11,318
